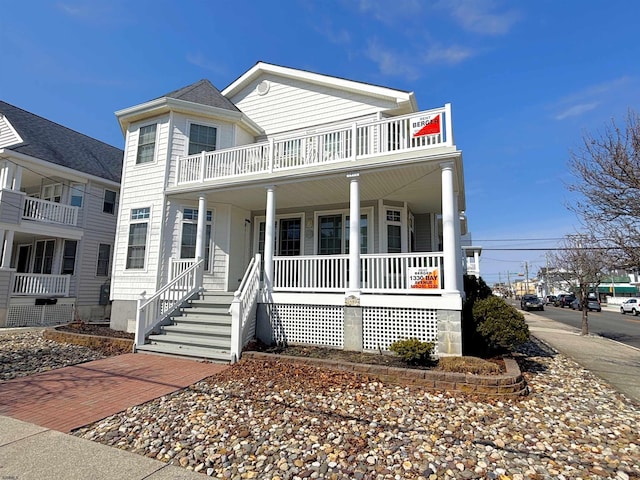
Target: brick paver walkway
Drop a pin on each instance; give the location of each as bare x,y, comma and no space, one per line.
70,397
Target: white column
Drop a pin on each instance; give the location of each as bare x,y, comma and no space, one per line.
449,243
476,262
7,250
269,237
459,253
354,236
17,178
202,222
8,175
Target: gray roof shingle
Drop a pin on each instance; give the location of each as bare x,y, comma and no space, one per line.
49,141
204,93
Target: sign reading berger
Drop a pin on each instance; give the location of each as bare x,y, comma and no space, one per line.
423,277
425,125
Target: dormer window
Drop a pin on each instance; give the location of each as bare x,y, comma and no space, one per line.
202,138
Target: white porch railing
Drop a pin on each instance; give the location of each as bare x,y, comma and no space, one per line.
30,284
353,142
157,308
50,212
243,308
380,273
177,266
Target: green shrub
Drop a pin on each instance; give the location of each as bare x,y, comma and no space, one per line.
473,343
500,325
413,351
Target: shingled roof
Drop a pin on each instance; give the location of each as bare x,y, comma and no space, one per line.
204,93
49,141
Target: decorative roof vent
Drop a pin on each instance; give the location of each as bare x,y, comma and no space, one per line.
263,87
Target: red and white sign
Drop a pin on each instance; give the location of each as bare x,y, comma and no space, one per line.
423,277
425,125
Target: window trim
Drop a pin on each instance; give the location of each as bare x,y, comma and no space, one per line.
201,124
263,218
104,201
134,221
76,187
108,271
155,145
368,211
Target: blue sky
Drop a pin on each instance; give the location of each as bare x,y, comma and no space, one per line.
526,79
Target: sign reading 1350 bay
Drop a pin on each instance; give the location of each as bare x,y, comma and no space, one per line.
423,277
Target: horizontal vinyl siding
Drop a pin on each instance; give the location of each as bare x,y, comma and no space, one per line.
142,186
7,134
292,104
99,227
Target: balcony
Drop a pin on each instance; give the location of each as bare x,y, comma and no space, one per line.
45,211
353,143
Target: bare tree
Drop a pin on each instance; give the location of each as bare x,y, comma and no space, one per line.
607,176
582,263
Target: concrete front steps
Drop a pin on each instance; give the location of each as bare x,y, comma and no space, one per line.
202,329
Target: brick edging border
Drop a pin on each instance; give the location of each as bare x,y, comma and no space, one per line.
87,340
509,384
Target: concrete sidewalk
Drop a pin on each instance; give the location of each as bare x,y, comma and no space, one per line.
614,362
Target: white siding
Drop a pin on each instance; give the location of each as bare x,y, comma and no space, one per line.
8,136
142,186
293,104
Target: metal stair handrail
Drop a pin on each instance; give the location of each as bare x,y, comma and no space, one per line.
157,308
243,308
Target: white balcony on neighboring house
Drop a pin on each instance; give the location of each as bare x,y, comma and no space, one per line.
349,146
36,284
36,209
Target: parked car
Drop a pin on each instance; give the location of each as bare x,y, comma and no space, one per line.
550,299
631,305
564,300
531,302
592,305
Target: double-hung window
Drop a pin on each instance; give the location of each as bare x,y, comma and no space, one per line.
77,194
202,138
69,257
104,257
394,231
333,234
137,242
109,202
146,144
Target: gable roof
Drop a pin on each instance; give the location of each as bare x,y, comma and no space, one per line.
400,96
51,142
204,93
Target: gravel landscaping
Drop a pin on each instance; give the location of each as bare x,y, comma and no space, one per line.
273,420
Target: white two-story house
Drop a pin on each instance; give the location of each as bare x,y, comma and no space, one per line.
59,194
262,190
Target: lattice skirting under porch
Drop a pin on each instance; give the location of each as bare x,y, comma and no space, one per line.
39,315
323,325
381,326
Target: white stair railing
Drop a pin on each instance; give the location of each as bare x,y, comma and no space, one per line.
157,308
243,309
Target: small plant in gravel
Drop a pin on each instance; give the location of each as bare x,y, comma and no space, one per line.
413,351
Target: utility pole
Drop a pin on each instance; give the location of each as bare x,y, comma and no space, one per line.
526,276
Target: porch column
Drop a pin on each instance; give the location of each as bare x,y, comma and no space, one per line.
450,245
476,263
353,291
7,249
459,255
352,310
269,238
7,175
17,178
200,234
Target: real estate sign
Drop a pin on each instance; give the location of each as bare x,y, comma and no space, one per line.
423,277
425,125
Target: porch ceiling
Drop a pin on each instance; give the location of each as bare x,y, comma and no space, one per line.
420,185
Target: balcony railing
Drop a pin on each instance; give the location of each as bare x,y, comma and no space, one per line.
50,212
36,284
380,273
351,143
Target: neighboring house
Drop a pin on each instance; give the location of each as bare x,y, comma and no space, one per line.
58,202
267,184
